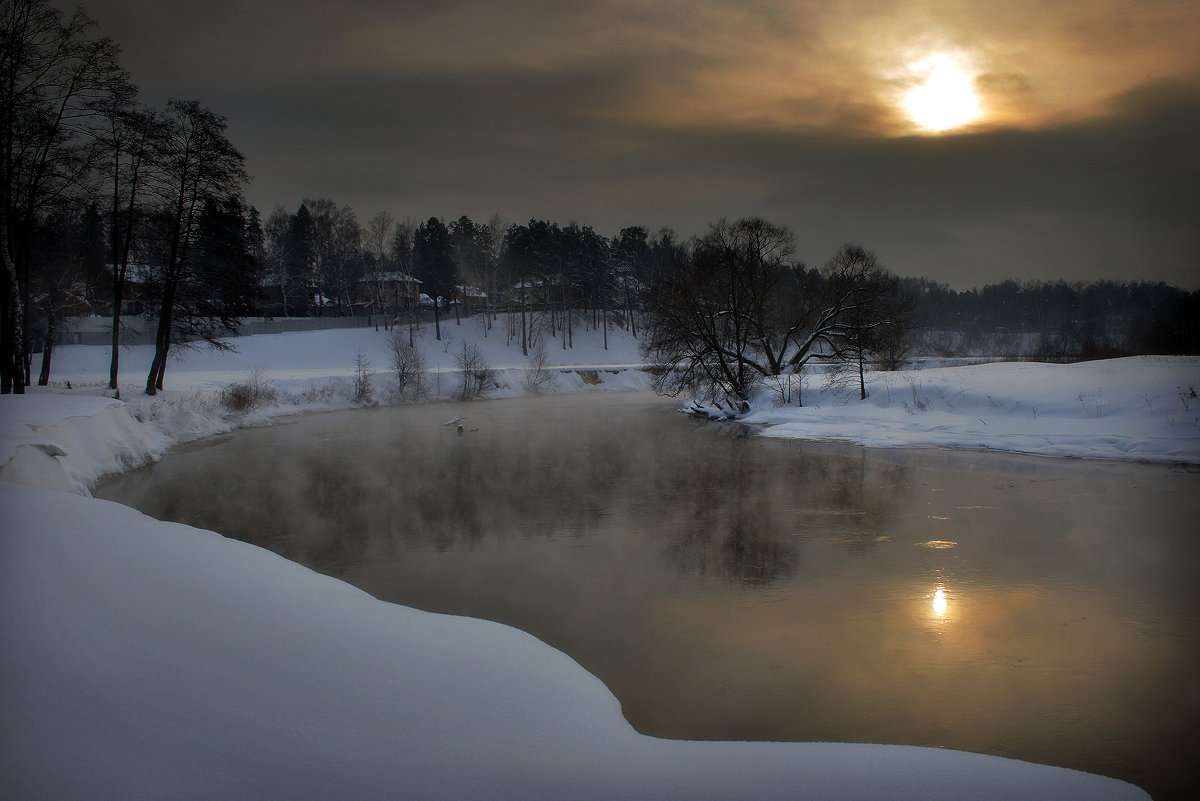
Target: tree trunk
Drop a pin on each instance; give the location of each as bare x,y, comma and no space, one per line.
437,320
862,386
13,325
524,334
48,346
122,242
118,293
162,342
26,358
116,351
629,311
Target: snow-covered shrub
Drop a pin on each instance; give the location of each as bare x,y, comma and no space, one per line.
248,395
408,366
537,377
920,399
1186,395
786,389
476,378
363,392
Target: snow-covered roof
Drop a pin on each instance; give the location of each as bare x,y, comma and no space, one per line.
389,278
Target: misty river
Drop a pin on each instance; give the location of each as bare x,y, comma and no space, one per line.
725,586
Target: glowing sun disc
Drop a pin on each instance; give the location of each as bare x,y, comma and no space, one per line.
946,99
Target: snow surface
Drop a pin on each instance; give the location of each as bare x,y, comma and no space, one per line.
145,659
297,359
1140,408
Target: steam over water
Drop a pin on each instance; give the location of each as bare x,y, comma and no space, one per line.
728,587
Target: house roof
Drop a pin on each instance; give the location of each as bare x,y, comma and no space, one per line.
389,278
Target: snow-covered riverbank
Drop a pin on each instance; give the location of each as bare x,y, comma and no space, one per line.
1142,408
309,372
151,660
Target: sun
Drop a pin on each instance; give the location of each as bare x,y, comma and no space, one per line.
946,99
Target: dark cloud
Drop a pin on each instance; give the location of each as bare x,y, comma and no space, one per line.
1108,198
677,113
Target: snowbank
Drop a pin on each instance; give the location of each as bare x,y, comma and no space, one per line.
1142,408
151,660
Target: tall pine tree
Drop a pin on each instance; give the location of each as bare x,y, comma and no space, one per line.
433,263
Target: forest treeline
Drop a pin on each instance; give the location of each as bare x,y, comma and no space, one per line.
109,207
1078,320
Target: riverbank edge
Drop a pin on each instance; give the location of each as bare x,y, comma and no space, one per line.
69,440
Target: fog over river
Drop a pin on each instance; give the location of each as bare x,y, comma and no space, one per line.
732,587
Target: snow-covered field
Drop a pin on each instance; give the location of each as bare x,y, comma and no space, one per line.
150,660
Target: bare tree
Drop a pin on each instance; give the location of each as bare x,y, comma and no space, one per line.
475,376
870,314
717,317
131,133
337,251
735,310
278,252
538,378
407,365
195,163
68,247
402,258
52,77
377,238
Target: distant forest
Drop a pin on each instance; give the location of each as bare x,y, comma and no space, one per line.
318,260
1059,321
321,258
109,207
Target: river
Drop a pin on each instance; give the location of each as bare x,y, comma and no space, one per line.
725,586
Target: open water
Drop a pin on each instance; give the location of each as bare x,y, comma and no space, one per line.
731,587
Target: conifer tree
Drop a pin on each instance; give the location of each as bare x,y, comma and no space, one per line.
433,262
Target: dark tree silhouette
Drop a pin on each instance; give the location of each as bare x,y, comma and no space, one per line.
53,76
433,263
196,164
736,309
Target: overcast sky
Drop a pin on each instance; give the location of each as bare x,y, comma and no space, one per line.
1082,159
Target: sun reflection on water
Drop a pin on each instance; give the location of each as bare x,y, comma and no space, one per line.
939,601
